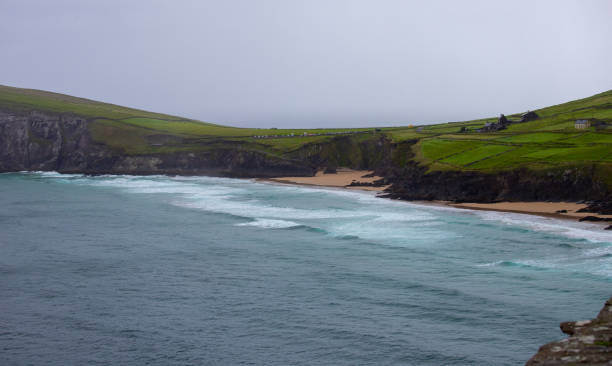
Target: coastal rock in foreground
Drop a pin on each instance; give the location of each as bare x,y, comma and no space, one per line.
590,343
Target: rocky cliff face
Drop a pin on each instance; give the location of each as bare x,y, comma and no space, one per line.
44,141
411,181
38,141
590,343
354,152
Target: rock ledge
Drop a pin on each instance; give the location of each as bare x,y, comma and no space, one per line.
590,343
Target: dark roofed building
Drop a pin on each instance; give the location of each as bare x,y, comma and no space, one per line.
529,116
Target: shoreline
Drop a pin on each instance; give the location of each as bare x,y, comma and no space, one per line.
536,208
344,177
341,179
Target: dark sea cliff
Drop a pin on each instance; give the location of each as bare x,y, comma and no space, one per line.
42,141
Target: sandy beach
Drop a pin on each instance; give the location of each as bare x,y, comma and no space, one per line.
535,208
343,177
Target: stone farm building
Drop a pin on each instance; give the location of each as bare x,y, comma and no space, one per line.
582,123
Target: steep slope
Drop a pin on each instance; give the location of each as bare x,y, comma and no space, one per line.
542,159
48,131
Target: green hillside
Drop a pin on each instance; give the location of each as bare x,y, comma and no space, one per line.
129,128
551,140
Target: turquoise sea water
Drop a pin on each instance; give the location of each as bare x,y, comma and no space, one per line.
211,271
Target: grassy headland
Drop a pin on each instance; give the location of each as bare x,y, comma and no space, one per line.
550,141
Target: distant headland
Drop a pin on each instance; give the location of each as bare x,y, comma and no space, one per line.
561,153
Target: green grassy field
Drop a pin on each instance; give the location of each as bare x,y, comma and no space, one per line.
551,140
128,128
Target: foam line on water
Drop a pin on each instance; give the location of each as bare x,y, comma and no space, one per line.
577,230
571,229
597,260
51,174
254,208
225,195
270,224
365,216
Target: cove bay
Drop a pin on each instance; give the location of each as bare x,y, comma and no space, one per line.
197,270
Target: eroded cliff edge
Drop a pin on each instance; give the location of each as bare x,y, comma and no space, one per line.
412,181
37,141
41,141
590,343
34,140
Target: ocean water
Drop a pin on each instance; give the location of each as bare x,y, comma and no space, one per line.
125,270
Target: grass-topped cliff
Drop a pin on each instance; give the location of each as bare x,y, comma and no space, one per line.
141,132
549,142
552,139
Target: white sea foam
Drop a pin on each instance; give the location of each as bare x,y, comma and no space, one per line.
254,208
411,215
373,218
356,214
596,261
239,197
600,252
269,224
53,174
576,230
491,264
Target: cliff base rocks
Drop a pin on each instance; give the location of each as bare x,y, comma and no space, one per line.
590,343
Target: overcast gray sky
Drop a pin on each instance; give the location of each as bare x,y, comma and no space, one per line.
311,63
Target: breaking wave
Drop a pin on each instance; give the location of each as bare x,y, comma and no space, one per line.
270,224
362,216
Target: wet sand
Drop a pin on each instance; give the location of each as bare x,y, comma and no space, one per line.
344,177
341,179
534,208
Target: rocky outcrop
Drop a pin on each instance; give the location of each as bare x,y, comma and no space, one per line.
590,343
37,141
363,152
414,182
43,141
502,120
603,207
376,183
219,162
595,218
62,142
529,116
